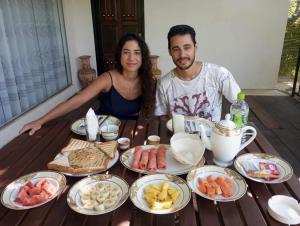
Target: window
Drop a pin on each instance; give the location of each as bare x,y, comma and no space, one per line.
33,57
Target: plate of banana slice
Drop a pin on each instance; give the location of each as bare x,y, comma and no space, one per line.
98,194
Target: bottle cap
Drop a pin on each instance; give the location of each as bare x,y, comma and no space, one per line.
241,96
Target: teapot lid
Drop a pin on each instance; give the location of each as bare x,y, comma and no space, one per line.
227,123
227,127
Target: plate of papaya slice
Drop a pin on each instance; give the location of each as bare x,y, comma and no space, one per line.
217,183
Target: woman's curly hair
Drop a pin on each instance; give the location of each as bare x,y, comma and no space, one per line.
145,73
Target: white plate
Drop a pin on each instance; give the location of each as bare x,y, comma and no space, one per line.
137,190
284,209
284,168
73,197
238,182
173,166
78,126
208,125
11,191
110,164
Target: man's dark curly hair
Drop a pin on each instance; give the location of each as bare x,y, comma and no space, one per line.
181,29
145,73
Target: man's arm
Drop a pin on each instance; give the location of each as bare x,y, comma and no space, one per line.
230,88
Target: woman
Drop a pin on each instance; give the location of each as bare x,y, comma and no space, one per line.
126,92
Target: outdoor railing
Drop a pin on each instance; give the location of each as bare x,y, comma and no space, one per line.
296,77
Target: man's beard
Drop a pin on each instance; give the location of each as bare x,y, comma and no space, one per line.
186,67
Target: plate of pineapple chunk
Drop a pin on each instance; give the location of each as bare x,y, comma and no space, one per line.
160,193
217,183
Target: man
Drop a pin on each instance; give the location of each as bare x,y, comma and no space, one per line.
193,87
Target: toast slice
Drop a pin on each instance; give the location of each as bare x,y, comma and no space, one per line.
75,144
85,160
109,148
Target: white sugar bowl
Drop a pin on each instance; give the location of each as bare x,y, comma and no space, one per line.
110,132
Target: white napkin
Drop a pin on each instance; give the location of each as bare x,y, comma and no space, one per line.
91,124
187,148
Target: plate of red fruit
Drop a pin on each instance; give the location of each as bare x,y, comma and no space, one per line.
217,183
32,190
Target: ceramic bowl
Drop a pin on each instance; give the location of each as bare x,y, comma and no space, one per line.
124,143
110,132
187,148
284,209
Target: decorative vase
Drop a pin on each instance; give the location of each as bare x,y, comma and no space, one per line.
86,74
155,71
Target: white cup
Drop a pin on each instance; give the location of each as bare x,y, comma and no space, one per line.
124,143
153,140
110,132
178,123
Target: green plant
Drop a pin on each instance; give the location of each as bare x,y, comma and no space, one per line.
291,41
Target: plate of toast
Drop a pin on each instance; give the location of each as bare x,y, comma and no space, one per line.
81,158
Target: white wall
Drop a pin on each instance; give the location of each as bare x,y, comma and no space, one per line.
244,36
80,37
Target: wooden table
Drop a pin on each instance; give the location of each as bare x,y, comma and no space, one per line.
27,154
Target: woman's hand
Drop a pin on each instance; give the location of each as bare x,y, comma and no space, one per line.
32,126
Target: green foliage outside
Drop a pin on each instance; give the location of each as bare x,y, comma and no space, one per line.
291,41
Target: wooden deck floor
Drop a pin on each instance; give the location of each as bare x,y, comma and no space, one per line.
278,117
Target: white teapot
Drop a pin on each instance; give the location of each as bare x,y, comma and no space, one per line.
226,140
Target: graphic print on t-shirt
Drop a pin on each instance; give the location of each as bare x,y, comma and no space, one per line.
193,105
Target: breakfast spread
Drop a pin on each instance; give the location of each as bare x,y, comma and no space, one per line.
84,157
100,196
32,194
160,196
220,185
150,159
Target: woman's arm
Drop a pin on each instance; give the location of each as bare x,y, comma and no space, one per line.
102,83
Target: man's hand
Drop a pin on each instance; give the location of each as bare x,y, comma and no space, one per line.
32,126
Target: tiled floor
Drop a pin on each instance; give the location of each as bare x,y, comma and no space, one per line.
278,119
283,88
264,92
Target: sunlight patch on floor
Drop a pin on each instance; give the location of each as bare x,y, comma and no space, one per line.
264,92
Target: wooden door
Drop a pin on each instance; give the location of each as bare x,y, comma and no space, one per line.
112,19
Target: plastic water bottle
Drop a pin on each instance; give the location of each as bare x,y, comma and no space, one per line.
239,111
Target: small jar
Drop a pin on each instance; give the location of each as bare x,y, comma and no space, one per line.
153,140
124,143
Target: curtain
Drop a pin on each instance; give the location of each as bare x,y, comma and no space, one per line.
32,56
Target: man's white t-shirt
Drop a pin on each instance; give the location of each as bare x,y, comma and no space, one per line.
201,96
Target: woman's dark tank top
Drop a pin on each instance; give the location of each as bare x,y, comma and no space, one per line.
113,103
